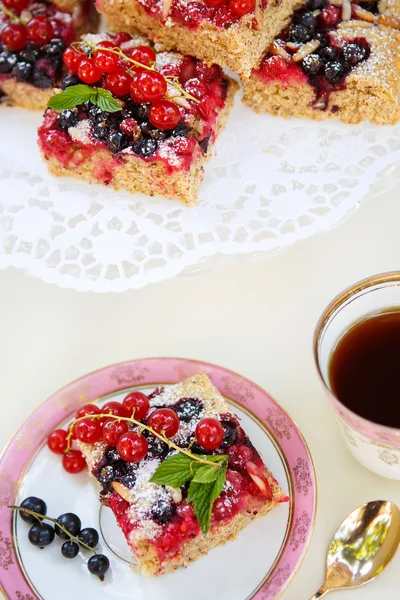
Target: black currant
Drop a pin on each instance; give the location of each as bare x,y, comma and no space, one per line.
188,408
68,118
98,565
69,80
352,54
334,71
299,33
230,435
70,549
32,503
22,71
312,64
145,147
89,536
71,523
327,54
163,511
117,141
41,535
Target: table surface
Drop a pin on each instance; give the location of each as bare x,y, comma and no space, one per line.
256,318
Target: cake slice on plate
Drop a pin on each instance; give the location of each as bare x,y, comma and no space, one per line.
144,120
187,494
336,59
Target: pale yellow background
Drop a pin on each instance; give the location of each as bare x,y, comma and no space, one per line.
254,318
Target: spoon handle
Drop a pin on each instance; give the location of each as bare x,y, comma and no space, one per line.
321,592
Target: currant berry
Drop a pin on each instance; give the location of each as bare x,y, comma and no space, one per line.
89,536
107,62
143,55
87,409
151,85
242,7
70,549
137,405
164,420
134,92
32,503
164,114
88,72
112,431
88,430
106,44
209,433
73,462
122,37
16,5
72,59
188,69
118,83
71,522
215,3
57,441
41,535
98,565
116,409
14,36
132,447
40,30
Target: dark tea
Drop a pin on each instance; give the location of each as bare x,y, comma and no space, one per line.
364,370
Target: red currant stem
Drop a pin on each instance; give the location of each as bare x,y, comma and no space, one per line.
142,426
11,15
46,518
170,78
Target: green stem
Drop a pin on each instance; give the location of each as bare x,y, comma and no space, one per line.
11,15
46,518
161,437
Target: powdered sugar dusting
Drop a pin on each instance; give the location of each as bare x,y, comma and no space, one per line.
81,132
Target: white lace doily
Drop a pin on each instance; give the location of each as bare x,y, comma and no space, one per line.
270,183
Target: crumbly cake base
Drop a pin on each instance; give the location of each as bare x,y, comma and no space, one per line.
371,90
237,48
137,175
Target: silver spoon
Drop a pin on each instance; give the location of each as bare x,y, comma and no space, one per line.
363,546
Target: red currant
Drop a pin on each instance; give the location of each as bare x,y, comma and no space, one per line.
116,409
206,107
88,430
215,3
16,5
88,72
14,36
57,441
87,409
188,69
137,405
330,16
196,87
40,30
122,37
242,7
208,72
164,114
151,85
134,92
132,447
118,83
72,59
164,420
210,433
142,54
107,62
73,462
112,430
106,44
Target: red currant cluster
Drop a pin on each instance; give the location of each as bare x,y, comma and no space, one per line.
122,77
14,36
239,8
112,424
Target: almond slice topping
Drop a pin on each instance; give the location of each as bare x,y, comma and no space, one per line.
166,7
305,50
123,491
259,478
363,14
258,16
346,10
277,50
382,6
390,21
358,24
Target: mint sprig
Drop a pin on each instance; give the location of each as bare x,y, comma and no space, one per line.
79,94
206,481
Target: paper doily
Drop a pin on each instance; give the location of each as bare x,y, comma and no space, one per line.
270,183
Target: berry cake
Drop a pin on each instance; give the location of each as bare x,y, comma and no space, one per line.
230,33
33,37
164,527
336,59
168,111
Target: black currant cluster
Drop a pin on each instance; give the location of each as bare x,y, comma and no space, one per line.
144,139
68,528
38,65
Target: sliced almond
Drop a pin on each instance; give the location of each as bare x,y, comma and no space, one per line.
346,10
355,24
166,7
382,6
294,46
389,21
277,50
123,491
259,478
258,16
337,3
363,14
305,50
315,13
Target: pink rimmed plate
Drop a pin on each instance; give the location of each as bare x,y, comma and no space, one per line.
258,565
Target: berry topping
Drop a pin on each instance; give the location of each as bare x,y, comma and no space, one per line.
22,71
69,521
98,565
16,5
69,80
163,511
143,55
41,535
327,54
230,435
307,19
88,430
145,147
136,405
164,421
258,476
164,114
215,3
13,36
330,16
68,118
118,83
87,409
209,433
40,30
299,33
72,59
36,505
352,54
57,442
7,61
89,536
312,64
114,408
334,71
132,447
105,61
150,86
73,462
88,72
70,549
188,408
117,142
106,474
112,430
157,448
242,7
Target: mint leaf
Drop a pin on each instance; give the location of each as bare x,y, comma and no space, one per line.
72,96
174,471
106,101
206,474
203,496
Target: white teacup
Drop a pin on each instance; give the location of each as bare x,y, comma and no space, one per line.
375,446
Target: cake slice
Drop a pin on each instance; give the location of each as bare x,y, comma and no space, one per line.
33,37
165,114
230,33
334,60
163,525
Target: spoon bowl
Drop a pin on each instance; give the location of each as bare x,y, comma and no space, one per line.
362,547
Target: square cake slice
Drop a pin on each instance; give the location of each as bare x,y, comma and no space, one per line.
31,49
335,61
230,33
167,111
162,523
